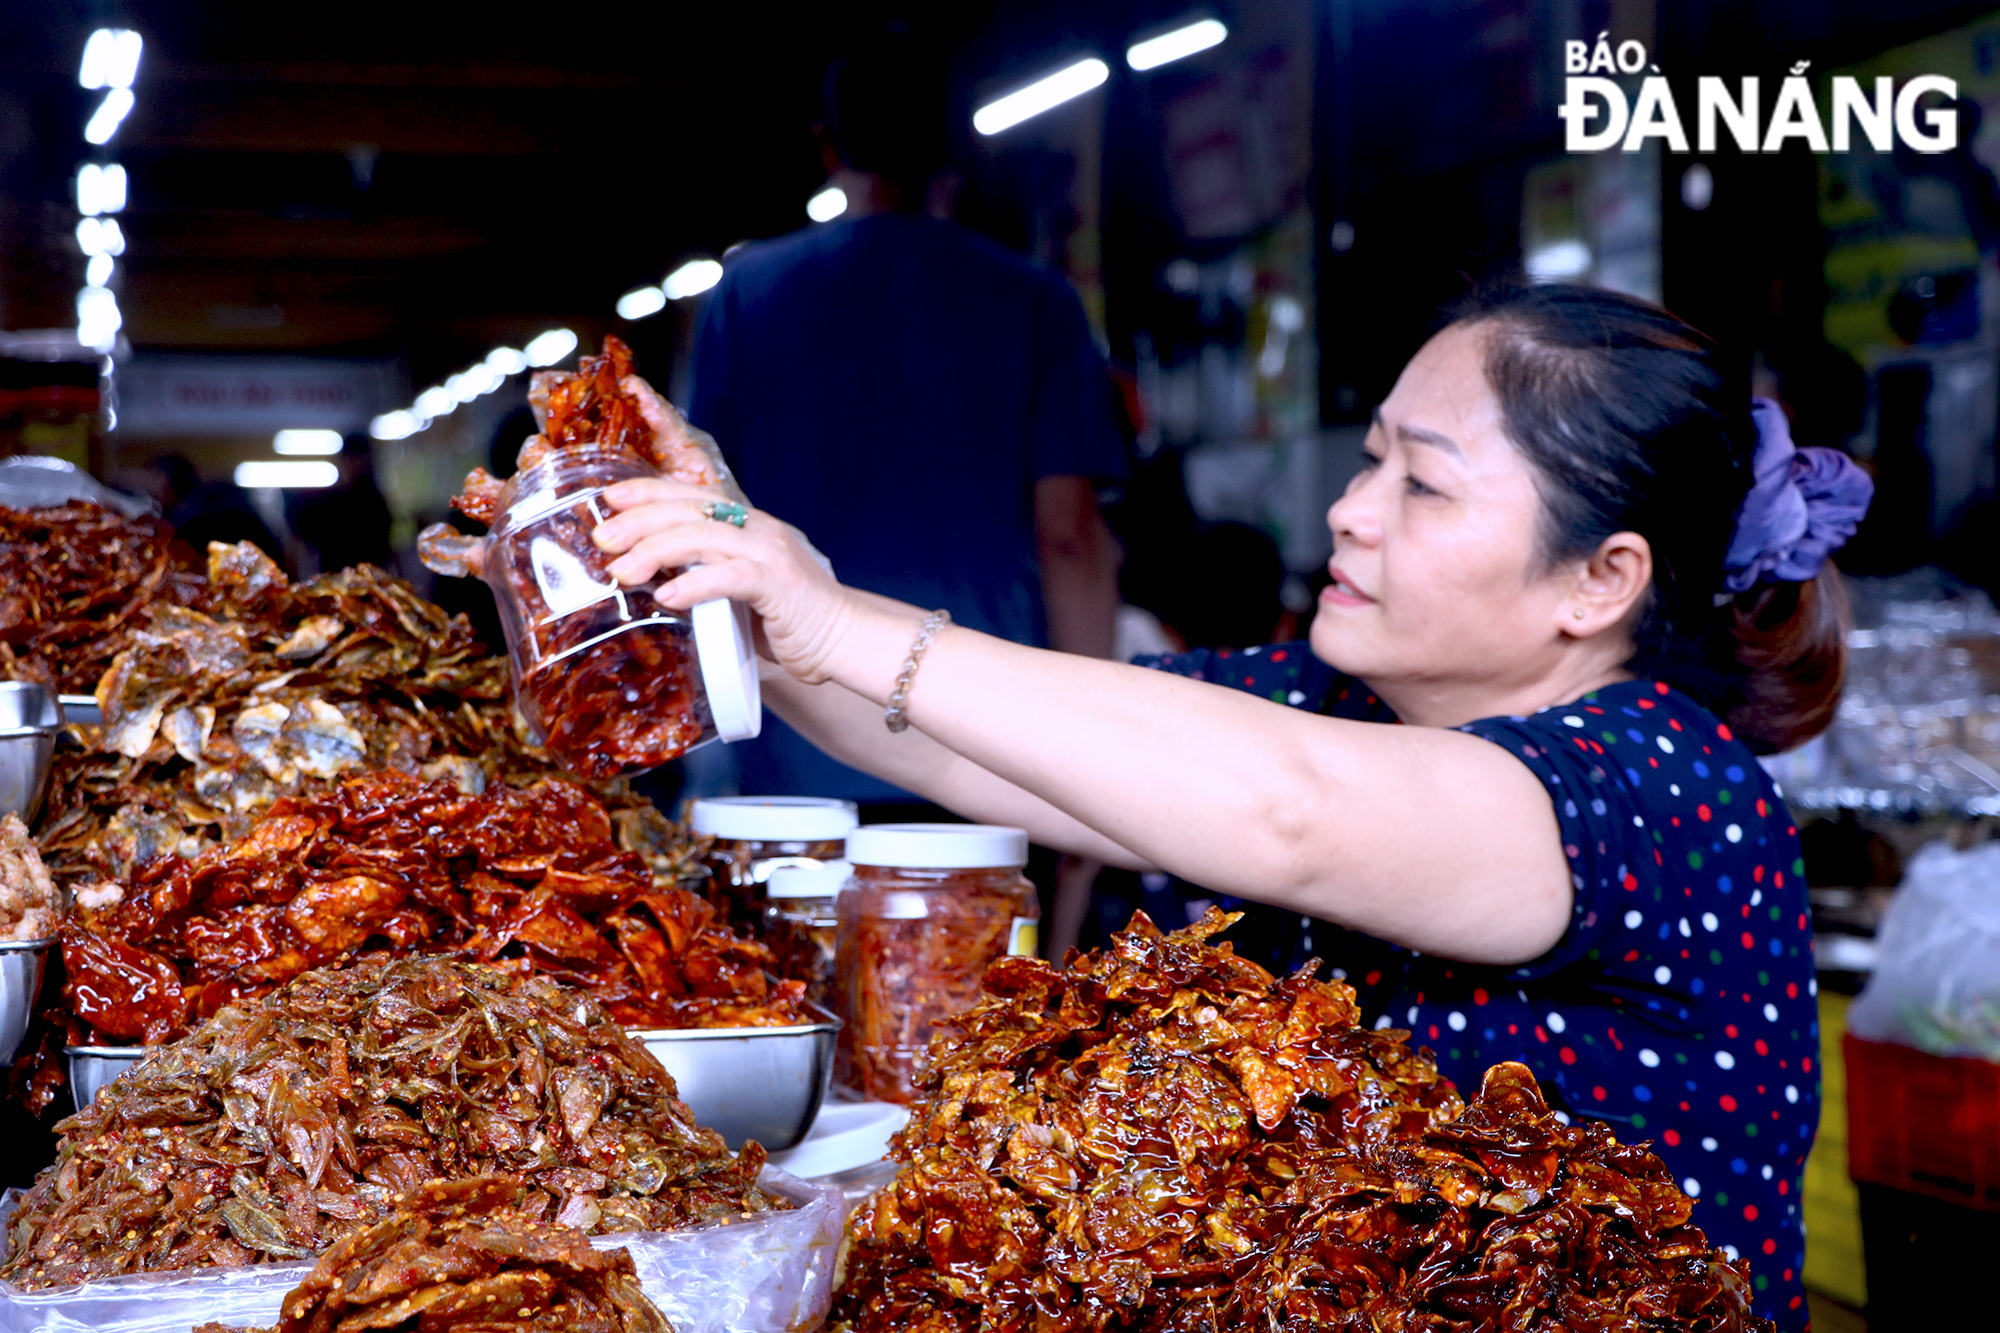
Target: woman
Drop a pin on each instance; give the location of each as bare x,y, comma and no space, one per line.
1564,856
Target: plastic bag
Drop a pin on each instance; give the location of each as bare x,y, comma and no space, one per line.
1936,985
771,1274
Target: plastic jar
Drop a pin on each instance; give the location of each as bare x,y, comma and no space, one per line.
611,682
800,921
754,835
928,907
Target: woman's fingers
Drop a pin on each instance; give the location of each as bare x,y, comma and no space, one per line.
739,580
627,527
675,546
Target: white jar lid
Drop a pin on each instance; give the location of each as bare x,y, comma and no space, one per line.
723,645
938,846
808,881
774,818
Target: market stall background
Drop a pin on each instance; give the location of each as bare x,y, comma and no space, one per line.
361,232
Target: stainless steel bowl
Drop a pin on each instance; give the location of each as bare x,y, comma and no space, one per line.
21,964
751,1083
30,718
91,1068
82,708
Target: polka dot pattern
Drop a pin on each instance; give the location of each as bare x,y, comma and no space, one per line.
1679,1007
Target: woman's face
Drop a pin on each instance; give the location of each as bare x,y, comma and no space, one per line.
1438,588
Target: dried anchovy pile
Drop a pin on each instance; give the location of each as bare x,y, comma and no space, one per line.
383,862
612,684
277,1128
72,580
458,1255
29,904
1164,1137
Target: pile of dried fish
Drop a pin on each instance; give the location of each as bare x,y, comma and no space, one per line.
278,1128
383,862
459,1255
29,904
72,580
211,715
1165,1137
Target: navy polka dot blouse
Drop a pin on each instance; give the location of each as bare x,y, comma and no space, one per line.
1679,1007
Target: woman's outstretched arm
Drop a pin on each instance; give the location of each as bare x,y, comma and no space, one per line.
1431,838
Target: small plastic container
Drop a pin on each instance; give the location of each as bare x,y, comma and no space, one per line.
800,922
611,682
755,835
928,907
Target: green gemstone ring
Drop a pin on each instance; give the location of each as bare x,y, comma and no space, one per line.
726,511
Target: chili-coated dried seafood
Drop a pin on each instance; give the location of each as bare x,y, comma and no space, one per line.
460,1255
72,578
269,688
29,904
278,1127
533,877
1162,1136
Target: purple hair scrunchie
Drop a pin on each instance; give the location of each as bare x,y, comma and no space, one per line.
1803,505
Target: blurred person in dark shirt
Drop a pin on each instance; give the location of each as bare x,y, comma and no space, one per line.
208,511
927,405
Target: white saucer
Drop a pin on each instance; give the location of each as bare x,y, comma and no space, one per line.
846,1135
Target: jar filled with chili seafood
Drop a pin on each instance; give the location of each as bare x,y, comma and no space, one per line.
754,835
928,907
611,682
799,924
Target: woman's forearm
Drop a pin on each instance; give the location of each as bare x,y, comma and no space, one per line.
1429,837
849,728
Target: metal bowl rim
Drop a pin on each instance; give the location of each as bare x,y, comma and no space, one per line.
828,1023
27,946
112,1052
17,733
729,1034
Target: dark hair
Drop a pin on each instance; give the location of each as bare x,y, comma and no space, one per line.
1632,426
884,109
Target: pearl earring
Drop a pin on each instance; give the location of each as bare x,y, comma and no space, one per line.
1578,613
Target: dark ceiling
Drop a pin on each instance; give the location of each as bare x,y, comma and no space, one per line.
432,179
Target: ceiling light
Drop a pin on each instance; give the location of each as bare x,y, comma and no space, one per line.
641,302
692,279
397,425
110,113
97,318
1059,87
100,236
435,402
507,360
110,59
1170,46
550,347
97,273
827,205
306,442
1561,259
285,474
100,189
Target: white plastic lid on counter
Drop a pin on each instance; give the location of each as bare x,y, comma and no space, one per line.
938,846
774,818
808,881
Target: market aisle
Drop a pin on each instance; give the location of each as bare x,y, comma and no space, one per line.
1834,1264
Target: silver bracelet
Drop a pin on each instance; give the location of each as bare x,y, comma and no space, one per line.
893,717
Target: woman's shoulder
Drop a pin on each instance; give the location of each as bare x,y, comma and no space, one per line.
1285,673
1642,728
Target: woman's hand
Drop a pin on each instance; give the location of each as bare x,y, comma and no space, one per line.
767,564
